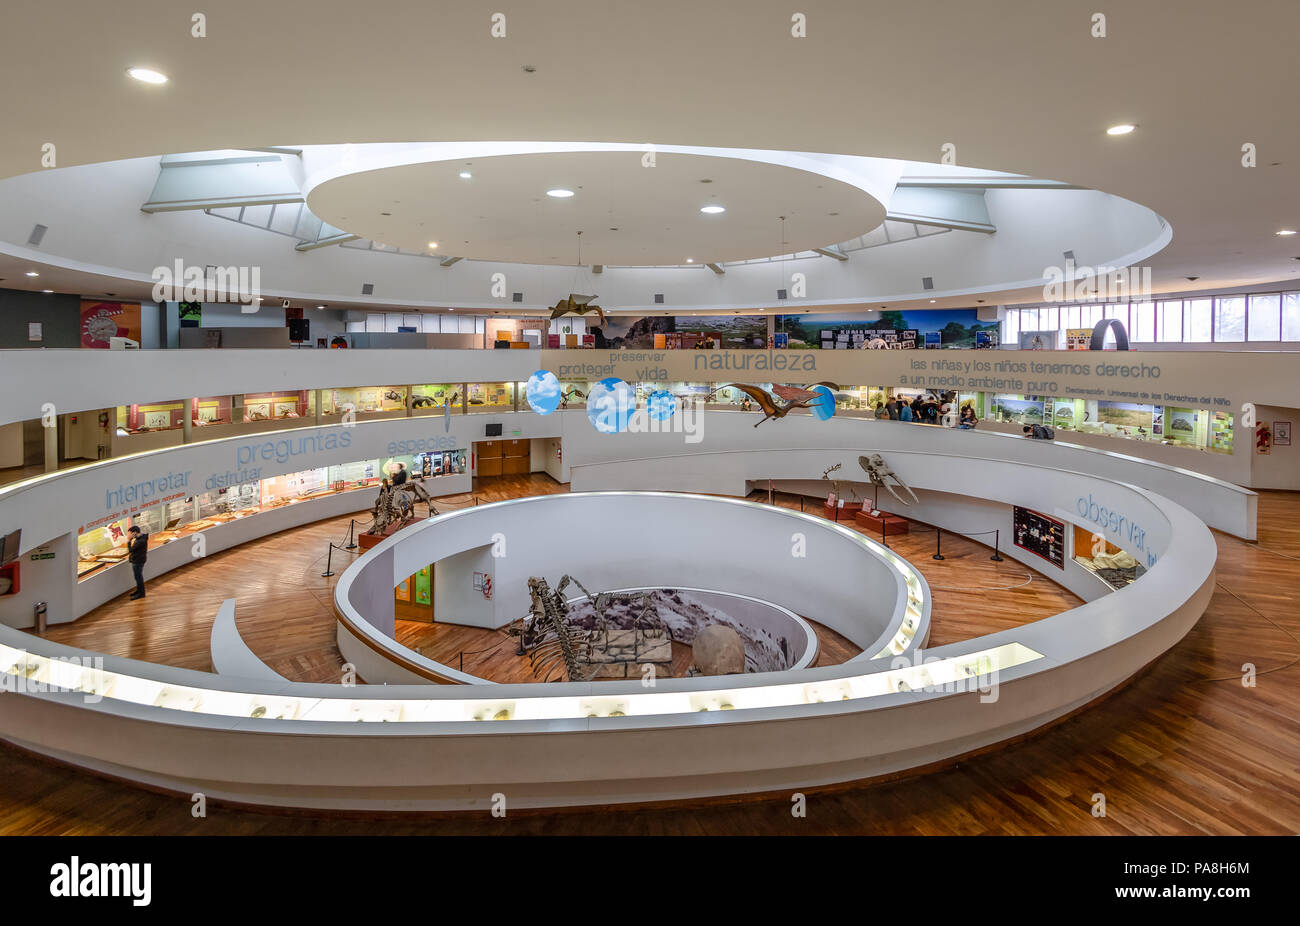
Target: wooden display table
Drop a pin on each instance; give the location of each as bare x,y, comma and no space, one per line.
366,541
885,524
845,513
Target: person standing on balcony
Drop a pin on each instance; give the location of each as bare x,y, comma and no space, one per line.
137,550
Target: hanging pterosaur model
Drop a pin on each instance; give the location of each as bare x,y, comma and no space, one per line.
783,399
577,304
880,473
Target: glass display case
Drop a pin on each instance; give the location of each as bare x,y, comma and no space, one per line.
432,397
275,406
490,397
161,416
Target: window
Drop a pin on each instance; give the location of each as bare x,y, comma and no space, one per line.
1144,322
1230,319
1120,312
430,323
1291,317
1265,318
1011,327
1198,317
412,321
375,321
356,326
1049,319
391,322
1169,317
1070,316
1091,315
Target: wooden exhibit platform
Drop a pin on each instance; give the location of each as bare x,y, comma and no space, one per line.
882,524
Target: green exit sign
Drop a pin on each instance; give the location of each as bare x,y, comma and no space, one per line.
36,556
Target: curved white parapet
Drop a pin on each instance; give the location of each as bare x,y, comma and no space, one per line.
831,574
434,748
231,656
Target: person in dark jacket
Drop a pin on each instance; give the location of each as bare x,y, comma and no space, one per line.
892,408
399,477
137,550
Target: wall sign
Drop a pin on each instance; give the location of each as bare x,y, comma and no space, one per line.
1039,534
1282,433
35,331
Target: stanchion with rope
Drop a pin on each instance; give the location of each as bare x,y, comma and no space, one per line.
997,536
938,543
352,541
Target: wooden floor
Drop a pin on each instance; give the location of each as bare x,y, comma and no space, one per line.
1184,748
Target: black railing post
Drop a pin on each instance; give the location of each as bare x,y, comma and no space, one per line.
938,543
329,562
352,542
997,536
883,538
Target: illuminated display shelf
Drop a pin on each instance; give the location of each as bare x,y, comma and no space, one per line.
25,669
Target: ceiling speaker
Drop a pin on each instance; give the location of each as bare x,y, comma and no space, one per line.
517,297
927,282
367,289
38,232
659,298
781,294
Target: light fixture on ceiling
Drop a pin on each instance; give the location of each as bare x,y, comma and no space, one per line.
932,300
47,290
32,273
465,175
1124,129
433,244
690,260
1286,231
713,210
147,75
320,306
559,193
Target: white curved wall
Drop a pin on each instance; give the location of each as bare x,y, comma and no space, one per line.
813,567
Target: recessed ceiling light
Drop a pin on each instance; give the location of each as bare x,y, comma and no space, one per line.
712,210
47,290
433,244
147,75
1124,129
32,273
320,306
932,300
1281,231
690,260
559,193
465,175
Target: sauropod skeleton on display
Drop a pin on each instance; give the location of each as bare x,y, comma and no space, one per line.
880,473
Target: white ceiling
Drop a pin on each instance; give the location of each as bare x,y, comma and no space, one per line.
1014,85
628,213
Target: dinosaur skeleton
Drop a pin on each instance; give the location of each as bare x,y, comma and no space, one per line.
551,641
396,505
835,483
573,392
879,471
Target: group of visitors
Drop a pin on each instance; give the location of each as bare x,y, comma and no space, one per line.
924,409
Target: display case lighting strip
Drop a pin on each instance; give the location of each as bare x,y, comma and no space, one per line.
36,673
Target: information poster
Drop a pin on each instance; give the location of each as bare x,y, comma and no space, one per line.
1078,338
1040,535
102,321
